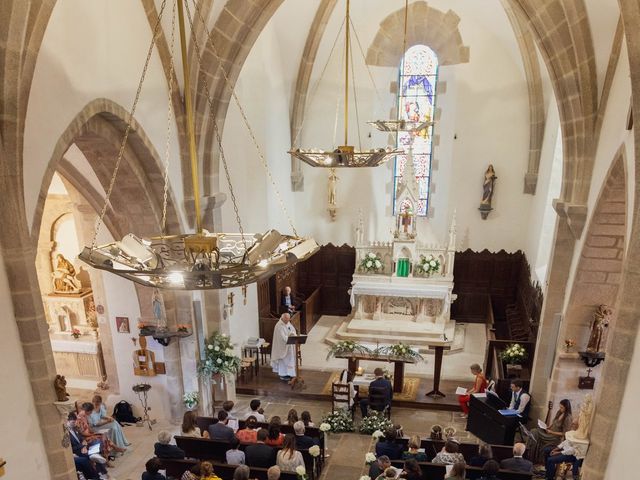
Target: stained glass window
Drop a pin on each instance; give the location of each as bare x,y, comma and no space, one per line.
416,103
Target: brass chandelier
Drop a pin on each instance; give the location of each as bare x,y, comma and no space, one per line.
345,156
200,260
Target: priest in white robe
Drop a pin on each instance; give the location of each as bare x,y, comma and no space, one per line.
283,356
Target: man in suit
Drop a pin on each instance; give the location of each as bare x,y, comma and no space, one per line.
379,383
287,304
260,454
162,449
220,430
517,463
520,400
91,467
378,467
303,442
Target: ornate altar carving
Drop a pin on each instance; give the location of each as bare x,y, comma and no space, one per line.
64,277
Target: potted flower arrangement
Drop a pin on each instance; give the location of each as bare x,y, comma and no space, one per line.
369,458
402,351
569,343
514,356
346,347
75,333
219,357
375,421
190,400
183,328
339,421
371,263
146,329
428,265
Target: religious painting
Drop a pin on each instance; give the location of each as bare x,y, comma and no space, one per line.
122,324
416,103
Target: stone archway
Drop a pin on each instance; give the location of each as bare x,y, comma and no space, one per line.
597,281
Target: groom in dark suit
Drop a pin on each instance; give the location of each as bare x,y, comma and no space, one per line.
380,383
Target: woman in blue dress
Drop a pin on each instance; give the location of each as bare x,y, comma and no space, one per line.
100,420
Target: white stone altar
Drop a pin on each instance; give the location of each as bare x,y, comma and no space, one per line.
413,309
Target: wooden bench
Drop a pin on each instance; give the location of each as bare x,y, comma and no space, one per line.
215,451
436,471
175,468
468,450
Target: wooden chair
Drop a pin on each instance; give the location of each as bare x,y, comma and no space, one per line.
340,398
378,400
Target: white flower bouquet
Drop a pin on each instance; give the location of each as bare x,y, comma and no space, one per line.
427,265
346,347
514,354
301,472
314,450
400,350
219,356
377,434
339,421
369,458
325,427
375,421
190,400
371,263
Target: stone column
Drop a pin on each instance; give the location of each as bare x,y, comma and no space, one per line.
561,256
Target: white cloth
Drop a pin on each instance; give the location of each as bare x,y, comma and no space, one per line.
283,356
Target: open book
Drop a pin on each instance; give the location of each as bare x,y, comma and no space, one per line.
542,425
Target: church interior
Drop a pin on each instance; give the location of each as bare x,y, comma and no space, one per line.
386,238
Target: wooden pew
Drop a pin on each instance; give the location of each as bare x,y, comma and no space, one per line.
175,468
313,432
435,471
468,450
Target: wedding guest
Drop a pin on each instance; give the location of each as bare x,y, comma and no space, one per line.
414,450
389,446
162,449
449,454
412,470
82,427
306,419
242,472
189,426
378,467
249,432
490,470
304,442
552,435
564,452
234,455
207,473
92,466
479,386
484,455
520,400
292,417
517,463
98,419
232,416
193,473
220,430
256,411
288,458
260,455
275,437
458,472
152,470
273,473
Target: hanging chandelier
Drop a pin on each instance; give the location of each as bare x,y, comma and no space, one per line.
345,156
402,125
202,260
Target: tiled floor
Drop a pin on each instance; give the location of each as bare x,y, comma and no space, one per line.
347,451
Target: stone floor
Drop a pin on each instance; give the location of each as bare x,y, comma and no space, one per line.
347,451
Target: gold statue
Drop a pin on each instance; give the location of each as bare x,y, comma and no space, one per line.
64,276
600,323
144,361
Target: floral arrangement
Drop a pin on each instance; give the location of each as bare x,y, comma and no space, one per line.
183,328
371,263
400,350
339,421
75,333
146,328
514,354
369,458
375,421
427,265
345,347
325,427
219,356
377,434
301,472
569,343
314,450
190,400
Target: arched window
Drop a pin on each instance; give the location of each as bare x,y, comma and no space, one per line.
416,102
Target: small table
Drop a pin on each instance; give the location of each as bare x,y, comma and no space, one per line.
437,370
250,351
398,369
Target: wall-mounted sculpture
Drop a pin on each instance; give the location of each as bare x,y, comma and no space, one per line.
487,192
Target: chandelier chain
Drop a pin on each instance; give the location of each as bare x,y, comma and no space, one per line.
217,133
355,100
169,122
244,117
123,144
364,58
338,101
316,85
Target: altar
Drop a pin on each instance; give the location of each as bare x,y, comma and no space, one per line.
398,369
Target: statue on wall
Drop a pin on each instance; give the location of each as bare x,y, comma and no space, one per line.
64,276
597,338
60,386
487,192
333,192
158,309
584,418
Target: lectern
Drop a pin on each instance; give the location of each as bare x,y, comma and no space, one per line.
297,340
